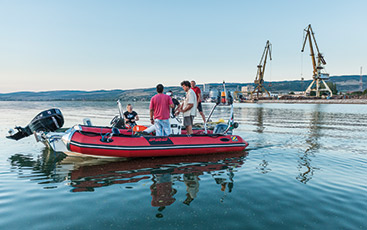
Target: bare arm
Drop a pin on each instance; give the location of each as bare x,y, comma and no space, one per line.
136,118
188,107
178,109
151,116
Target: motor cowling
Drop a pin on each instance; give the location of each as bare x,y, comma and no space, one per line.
175,126
47,121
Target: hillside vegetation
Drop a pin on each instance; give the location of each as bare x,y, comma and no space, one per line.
343,84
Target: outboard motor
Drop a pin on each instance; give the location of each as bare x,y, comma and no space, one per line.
87,122
175,126
47,121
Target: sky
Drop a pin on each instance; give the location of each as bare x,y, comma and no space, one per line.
118,44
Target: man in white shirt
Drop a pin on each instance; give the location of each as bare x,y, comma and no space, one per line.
188,107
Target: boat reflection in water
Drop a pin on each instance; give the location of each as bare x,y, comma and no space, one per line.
89,174
163,172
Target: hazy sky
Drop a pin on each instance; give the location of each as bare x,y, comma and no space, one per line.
89,45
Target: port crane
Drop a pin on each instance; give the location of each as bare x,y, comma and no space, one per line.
259,80
318,76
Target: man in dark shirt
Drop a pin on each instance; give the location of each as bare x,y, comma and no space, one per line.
130,116
175,102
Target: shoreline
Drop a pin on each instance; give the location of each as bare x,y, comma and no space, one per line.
279,101
308,101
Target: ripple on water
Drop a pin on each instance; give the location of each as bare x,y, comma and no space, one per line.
306,169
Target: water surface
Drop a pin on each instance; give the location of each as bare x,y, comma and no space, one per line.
305,168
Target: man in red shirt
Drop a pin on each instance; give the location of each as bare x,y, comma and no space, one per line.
198,96
159,107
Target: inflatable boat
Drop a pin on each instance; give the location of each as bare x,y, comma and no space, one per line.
119,141
117,144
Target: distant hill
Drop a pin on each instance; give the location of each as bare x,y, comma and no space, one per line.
344,84
349,83
75,95
61,95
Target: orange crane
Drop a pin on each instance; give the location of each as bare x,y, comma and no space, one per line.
318,76
259,80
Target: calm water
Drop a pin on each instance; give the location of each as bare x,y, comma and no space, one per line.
305,168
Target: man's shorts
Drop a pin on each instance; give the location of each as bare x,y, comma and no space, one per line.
189,120
200,108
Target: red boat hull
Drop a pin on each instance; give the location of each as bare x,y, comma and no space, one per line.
90,143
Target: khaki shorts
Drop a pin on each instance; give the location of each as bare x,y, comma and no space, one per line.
188,121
